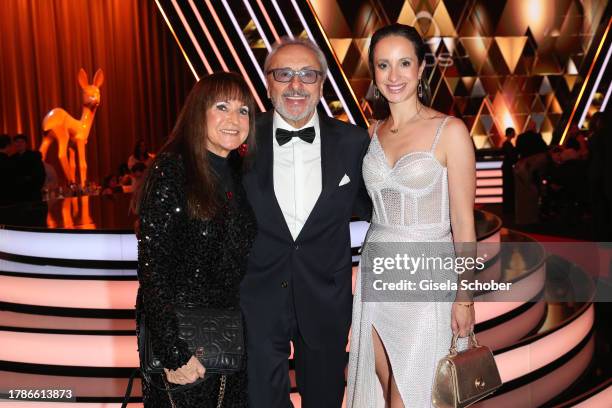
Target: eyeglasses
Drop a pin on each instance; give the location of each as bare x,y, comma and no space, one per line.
306,76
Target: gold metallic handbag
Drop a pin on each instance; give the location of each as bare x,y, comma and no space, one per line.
462,378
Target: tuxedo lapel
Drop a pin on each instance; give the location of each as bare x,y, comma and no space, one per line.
329,156
265,176
329,167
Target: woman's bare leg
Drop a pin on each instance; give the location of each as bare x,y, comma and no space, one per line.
384,373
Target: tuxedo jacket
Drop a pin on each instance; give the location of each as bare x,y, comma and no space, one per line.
315,268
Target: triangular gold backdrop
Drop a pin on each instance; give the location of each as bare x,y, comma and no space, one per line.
493,63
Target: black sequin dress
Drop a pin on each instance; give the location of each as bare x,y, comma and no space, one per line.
182,260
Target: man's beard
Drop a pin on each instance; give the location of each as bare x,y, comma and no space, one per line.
279,106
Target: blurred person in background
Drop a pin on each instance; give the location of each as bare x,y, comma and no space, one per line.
510,158
29,171
141,154
600,177
7,171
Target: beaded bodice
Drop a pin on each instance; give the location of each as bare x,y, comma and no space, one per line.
413,194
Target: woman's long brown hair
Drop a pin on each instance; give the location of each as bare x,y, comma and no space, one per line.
189,139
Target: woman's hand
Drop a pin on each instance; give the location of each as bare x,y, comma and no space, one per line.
462,318
187,373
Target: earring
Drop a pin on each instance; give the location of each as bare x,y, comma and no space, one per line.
376,93
420,88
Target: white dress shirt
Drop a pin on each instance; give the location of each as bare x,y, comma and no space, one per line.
297,174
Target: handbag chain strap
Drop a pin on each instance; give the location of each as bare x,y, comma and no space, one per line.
222,384
168,391
221,390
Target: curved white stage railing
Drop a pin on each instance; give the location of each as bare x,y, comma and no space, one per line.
30,278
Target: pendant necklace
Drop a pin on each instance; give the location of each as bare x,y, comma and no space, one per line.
395,130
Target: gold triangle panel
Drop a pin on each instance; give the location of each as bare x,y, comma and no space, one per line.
537,105
522,104
553,105
479,141
524,66
468,83
476,48
512,22
407,15
546,125
567,44
451,83
362,71
495,61
547,64
570,80
332,17
519,121
360,86
443,21
512,85
490,62
511,49
340,47
467,29
362,44
354,62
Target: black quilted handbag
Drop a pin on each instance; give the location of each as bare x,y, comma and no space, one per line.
215,337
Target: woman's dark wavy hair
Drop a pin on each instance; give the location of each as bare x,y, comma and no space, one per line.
381,106
189,138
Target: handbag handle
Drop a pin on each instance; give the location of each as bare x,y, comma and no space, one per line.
473,342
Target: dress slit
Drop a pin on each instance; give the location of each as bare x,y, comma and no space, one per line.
388,356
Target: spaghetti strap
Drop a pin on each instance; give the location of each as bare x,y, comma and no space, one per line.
375,128
438,132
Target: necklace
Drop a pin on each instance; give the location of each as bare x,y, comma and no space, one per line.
395,130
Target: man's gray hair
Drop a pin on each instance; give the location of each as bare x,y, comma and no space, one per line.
286,41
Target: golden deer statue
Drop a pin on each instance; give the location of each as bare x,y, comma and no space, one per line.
68,131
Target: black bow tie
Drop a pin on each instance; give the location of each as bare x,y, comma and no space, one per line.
284,136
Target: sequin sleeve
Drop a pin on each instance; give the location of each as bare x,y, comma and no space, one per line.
162,217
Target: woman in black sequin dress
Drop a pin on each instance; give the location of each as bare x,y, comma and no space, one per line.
195,232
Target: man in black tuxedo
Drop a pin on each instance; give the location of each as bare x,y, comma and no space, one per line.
304,187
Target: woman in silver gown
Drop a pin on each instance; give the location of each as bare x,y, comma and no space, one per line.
420,173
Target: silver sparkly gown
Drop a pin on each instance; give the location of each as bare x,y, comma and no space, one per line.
411,204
